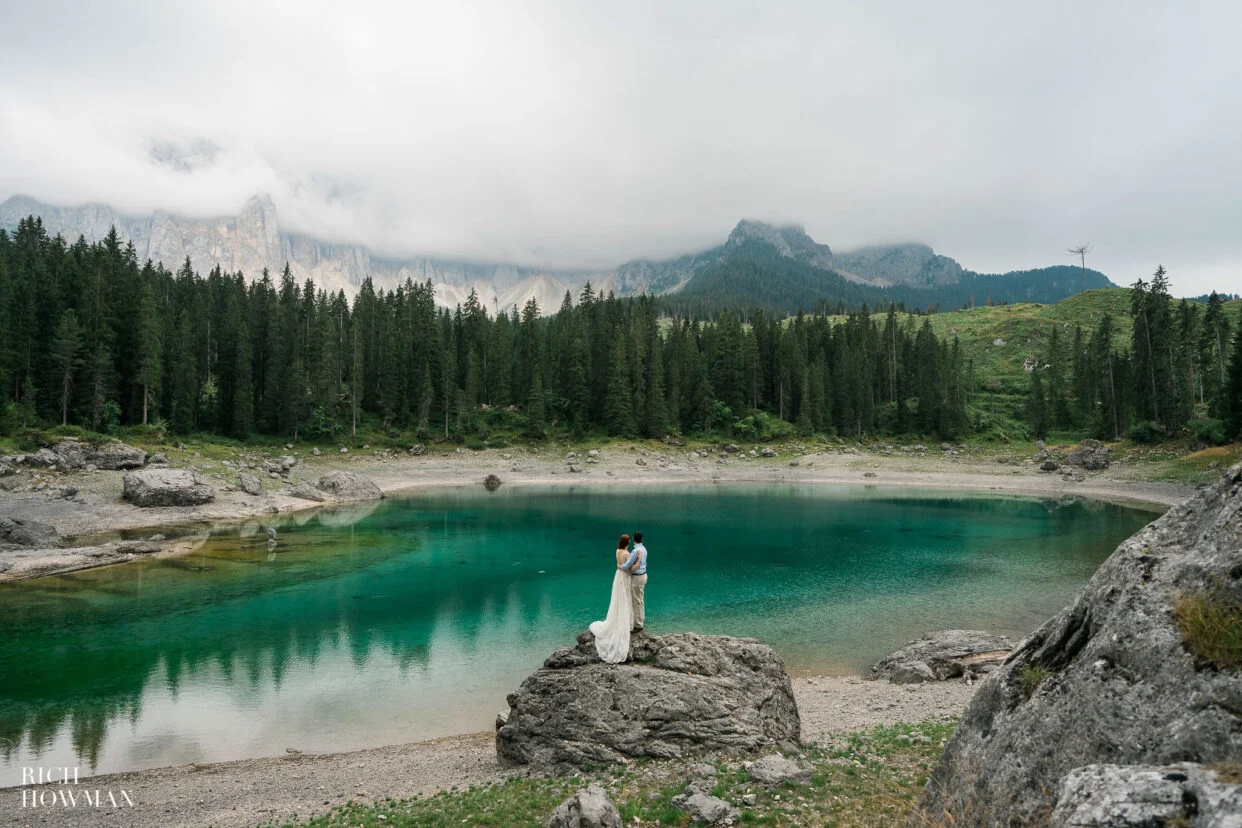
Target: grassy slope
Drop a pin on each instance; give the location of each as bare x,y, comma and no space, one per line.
868,778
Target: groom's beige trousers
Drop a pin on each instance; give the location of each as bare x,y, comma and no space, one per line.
639,583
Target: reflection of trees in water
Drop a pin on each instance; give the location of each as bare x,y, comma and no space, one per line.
83,651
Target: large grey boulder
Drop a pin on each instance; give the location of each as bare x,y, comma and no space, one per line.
1091,455
1109,679
344,486
166,487
679,694
71,455
943,655
1138,796
22,532
705,808
588,808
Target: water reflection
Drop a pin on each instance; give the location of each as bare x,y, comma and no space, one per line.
412,618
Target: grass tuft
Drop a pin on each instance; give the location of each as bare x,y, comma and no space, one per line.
1030,676
1211,626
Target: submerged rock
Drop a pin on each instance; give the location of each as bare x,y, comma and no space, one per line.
679,694
166,487
346,486
588,808
943,655
1138,796
1110,679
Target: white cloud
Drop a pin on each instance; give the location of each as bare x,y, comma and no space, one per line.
586,134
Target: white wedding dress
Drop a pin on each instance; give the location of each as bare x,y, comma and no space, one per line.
612,635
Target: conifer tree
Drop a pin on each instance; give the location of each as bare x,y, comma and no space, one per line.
66,348
150,349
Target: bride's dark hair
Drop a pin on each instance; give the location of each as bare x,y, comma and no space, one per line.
624,542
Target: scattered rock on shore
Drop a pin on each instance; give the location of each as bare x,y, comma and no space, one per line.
1111,679
588,808
943,655
705,808
678,694
1091,455
305,491
492,482
777,770
250,484
21,532
346,486
166,487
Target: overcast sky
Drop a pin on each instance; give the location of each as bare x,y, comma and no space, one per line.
585,134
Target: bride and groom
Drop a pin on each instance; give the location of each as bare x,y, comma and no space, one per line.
626,612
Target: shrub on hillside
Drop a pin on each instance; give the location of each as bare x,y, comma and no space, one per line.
1146,431
1207,430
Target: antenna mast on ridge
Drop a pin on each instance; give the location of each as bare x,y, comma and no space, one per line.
1081,252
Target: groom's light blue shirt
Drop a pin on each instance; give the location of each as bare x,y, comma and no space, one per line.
638,553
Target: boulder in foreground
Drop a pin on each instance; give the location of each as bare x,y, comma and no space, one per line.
679,694
1113,678
344,486
588,808
1137,796
166,487
944,655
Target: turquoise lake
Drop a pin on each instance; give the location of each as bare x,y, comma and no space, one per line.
413,618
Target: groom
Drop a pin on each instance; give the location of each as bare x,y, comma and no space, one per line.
636,565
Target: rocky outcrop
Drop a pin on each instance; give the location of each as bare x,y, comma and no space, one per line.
72,455
166,487
1110,679
1091,455
21,532
588,808
346,486
1139,796
943,655
679,694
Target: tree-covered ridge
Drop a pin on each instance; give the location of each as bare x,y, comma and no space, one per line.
89,336
756,275
1178,372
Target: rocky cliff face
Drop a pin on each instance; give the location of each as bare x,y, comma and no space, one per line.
253,240
1113,679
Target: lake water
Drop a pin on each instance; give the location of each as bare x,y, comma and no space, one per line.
413,618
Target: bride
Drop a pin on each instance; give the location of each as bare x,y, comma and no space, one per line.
612,635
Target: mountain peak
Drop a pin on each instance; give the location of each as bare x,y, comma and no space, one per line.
790,241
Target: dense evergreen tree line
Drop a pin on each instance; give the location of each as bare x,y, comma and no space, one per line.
1181,372
89,336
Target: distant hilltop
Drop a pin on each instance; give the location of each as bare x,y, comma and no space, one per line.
253,240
